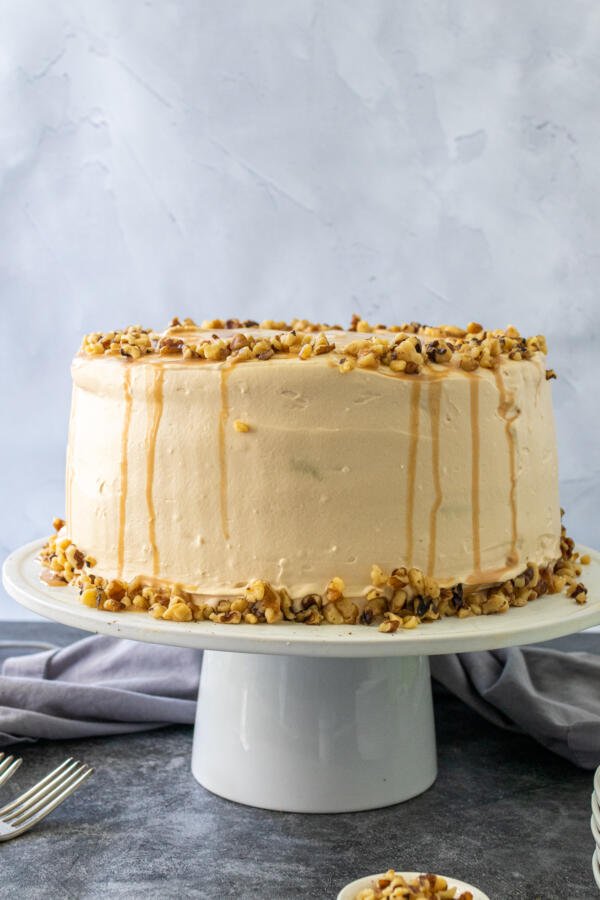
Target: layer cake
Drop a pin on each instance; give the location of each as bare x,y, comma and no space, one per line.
233,467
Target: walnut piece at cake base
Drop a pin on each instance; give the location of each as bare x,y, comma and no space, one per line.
398,601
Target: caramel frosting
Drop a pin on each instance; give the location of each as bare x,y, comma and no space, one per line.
191,468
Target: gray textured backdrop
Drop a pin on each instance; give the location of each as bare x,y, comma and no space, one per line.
437,161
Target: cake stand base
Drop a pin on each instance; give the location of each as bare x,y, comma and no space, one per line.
314,734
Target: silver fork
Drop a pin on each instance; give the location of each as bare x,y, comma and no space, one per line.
8,767
35,804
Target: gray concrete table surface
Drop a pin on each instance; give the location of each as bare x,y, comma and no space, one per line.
504,814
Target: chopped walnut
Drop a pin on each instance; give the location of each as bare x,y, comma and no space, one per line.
264,602
405,349
135,342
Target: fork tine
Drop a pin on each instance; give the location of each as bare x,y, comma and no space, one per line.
31,819
42,797
5,763
8,772
36,787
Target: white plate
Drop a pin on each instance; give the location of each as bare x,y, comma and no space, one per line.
596,810
597,781
546,618
596,867
351,890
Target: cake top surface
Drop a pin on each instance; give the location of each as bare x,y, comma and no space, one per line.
406,349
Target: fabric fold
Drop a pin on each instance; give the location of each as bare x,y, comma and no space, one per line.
551,695
97,686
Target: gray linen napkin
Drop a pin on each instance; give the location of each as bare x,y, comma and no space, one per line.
551,695
102,685
97,686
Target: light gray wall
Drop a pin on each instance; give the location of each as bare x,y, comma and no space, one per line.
421,160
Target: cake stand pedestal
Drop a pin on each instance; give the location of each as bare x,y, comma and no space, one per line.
314,735
313,719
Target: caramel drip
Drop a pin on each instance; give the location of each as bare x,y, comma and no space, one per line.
69,473
156,402
506,402
52,579
434,396
225,373
475,525
124,465
415,396
437,374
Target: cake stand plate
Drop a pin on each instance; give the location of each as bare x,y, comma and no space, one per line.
313,719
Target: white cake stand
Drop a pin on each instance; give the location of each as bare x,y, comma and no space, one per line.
313,719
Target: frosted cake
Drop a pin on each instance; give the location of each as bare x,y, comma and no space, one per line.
242,473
